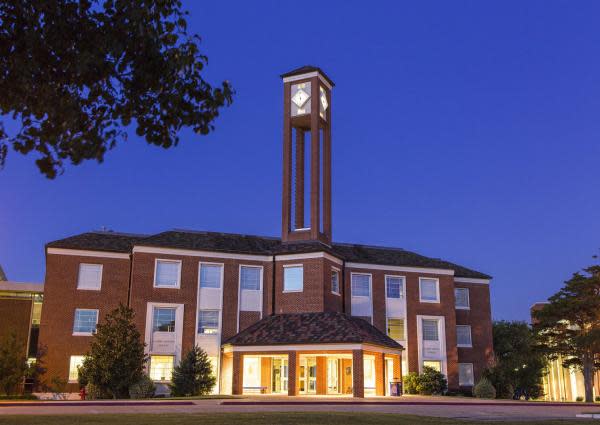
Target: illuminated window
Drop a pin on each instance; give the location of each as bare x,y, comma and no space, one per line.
465,374
394,287
361,285
369,375
293,278
85,321
90,276
335,282
75,362
395,329
250,278
163,319
36,314
430,330
208,321
463,336
161,367
429,290
434,364
167,274
461,298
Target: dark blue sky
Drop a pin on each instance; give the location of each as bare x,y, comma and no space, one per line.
463,130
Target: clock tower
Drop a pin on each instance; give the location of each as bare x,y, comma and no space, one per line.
306,156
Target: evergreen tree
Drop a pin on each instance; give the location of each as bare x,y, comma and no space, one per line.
193,375
116,358
13,364
569,325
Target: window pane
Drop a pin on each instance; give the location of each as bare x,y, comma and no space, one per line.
210,276
161,368
167,273
335,282
74,363
463,335
461,296
85,321
208,321
435,364
163,320
396,329
430,330
90,276
293,278
428,289
394,287
250,278
361,285
465,374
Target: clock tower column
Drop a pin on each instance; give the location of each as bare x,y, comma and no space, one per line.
306,118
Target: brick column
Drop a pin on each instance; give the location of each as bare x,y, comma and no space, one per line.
292,366
238,374
358,379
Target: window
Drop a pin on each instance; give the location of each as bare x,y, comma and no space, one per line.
435,364
463,335
465,374
394,287
167,274
208,321
430,330
293,278
361,285
395,329
210,275
90,277
335,282
163,319
250,278
428,290
161,368
461,298
74,363
85,321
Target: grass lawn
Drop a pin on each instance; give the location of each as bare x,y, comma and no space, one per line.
295,418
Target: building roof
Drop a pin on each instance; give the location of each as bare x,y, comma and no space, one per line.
21,286
258,245
312,328
305,70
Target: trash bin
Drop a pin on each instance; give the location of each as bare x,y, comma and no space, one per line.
395,388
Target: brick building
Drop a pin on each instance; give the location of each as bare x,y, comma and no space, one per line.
294,315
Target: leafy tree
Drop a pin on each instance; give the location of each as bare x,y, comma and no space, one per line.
410,383
431,381
76,73
569,325
193,375
116,358
519,363
13,364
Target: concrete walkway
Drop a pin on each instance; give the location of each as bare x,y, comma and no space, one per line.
459,408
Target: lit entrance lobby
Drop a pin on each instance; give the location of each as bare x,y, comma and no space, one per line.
319,354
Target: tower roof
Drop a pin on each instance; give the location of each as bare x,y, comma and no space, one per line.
307,69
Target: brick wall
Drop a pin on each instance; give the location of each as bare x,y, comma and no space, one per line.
311,299
16,318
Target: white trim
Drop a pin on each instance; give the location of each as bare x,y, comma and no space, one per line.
167,260
338,271
471,280
362,296
208,254
85,253
75,316
437,290
309,348
308,75
441,335
470,337
79,277
399,268
403,295
309,255
208,263
468,306
288,291
239,300
179,315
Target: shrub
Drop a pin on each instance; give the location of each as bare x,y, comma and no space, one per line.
95,392
144,388
597,398
484,389
431,382
579,398
410,382
193,375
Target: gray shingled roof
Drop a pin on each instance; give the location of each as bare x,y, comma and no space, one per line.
312,328
305,70
261,245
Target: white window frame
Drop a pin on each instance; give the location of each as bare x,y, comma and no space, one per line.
336,270
293,266
79,277
387,319
403,278
172,368
221,285
470,336
437,290
466,384
468,306
260,278
442,337
75,315
218,330
370,286
167,260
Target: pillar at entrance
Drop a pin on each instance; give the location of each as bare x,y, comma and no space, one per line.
380,381
238,374
358,378
292,380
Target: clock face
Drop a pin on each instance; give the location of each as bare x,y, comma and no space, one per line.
300,98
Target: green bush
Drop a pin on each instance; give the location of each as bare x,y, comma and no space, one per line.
431,382
597,398
94,392
410,382
144,388
484,389
579,398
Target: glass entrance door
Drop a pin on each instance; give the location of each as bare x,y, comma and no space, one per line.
389,374
308,375
279,375
333,376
